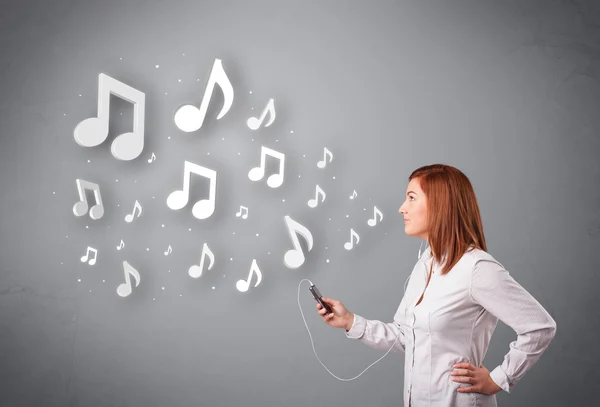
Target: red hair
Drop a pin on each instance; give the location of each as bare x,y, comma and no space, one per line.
454,221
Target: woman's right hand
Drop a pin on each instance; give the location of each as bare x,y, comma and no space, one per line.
339,318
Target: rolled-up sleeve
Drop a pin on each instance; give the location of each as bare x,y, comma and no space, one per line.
494,289
377,334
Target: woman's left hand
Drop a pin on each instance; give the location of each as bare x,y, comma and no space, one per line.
478,377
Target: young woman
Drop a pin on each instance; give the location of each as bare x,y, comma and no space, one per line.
455,296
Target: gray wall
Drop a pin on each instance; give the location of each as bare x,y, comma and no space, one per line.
506,91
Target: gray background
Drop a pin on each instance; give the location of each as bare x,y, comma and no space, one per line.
505,91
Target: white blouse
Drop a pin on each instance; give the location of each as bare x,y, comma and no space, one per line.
454,323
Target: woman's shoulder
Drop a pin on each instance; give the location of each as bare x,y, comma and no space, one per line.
475,254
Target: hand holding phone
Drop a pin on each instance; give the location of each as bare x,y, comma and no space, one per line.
318,297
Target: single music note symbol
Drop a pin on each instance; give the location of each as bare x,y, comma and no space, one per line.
254,123
121,245
243,210
152,158
179,198
85,258
130,216
294,258
373,222
189,118
124,289
196,271
81,208
169,250
326,152
349,245
94,130
257,173
353,195
243,285
314,202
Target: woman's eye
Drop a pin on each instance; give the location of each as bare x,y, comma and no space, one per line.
410,196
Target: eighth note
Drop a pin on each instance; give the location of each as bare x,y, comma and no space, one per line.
125,289
322,164
254,123
241,212
314,202
129,217
349,245
169,250
152,158
121,245
242,285
373,222
196,271
294,258
85,258
353,195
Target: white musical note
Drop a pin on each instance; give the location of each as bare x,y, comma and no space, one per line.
152,158
81,208
121,245
189,118
130,216
244,211
353,195
349,245
179,198
373,222
326,152
314,202
254,123
243,285
85,258
94,130
124,289
294,258
169,250
196,271
257,173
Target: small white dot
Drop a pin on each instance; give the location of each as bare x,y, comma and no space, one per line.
135,181
120,58
327,260
147,248
166,93
291,131
386,233
250,92
283,200
347,216
104,281
156,66
268,252
303,155
152,197
87,227
163,226
198,80
117,205
239,153
207,153
223,138
276,140
117,180
364,209
163,288
53,193
252,140
121,114
213,287
231,258
169,271
61,262
257,234
329,218
179,80
333,177
153,299
90,290
183,54
169,137
181,295
64,114
80,94
79,280
190,229
325,247
234,233
89,161
67,237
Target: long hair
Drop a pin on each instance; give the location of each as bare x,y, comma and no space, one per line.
454,221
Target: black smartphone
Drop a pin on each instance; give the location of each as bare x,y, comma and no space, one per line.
317,296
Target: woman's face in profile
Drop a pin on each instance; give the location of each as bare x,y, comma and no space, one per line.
414,211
